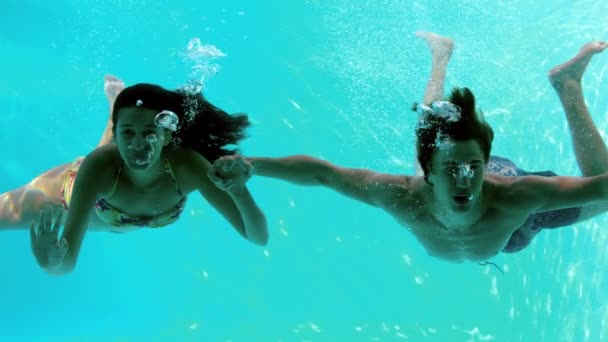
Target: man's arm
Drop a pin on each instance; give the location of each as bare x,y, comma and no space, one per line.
551,193
367,186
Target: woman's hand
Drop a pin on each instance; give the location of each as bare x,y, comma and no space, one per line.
230,173
47,248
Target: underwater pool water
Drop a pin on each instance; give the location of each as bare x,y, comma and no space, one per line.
333,79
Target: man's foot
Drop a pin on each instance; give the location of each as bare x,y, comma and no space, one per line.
441,47
571,72
112,86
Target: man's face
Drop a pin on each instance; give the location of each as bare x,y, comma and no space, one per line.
457,172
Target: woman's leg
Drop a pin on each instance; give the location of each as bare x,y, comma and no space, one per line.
589,147
111,87
19,207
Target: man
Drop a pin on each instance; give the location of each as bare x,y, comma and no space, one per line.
466,205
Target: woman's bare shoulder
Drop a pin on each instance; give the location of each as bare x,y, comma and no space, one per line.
102,166
185,159
105,157
188,166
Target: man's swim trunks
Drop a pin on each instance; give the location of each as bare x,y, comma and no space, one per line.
535,222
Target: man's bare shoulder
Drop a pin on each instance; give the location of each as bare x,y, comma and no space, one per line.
397,182
400,191
511,193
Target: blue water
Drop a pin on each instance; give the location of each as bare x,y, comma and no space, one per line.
333,79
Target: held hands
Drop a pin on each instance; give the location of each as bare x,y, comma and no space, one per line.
48,250
230,173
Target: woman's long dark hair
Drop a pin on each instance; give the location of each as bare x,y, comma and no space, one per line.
202,126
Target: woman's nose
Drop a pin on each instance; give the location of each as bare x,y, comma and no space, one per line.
138,143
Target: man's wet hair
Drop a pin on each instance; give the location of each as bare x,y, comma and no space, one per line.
469,125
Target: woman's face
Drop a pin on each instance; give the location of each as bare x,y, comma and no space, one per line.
139,140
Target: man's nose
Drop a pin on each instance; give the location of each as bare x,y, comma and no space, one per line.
463,181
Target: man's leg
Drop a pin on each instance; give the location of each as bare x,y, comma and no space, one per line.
589,147
441,51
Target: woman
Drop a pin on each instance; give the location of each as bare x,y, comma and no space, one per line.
163,144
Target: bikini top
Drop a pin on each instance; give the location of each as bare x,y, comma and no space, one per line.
116,217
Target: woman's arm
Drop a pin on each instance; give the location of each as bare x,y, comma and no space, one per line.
90,181
254,226
373,188
236,205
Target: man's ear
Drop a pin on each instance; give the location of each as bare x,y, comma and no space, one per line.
428,177
167,137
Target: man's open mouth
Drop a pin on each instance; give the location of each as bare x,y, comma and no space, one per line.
463,199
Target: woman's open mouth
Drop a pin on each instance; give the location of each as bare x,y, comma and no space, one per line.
142,158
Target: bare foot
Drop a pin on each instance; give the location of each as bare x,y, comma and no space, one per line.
112,86
571,72
441,47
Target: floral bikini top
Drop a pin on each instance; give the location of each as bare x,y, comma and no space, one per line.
116,217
